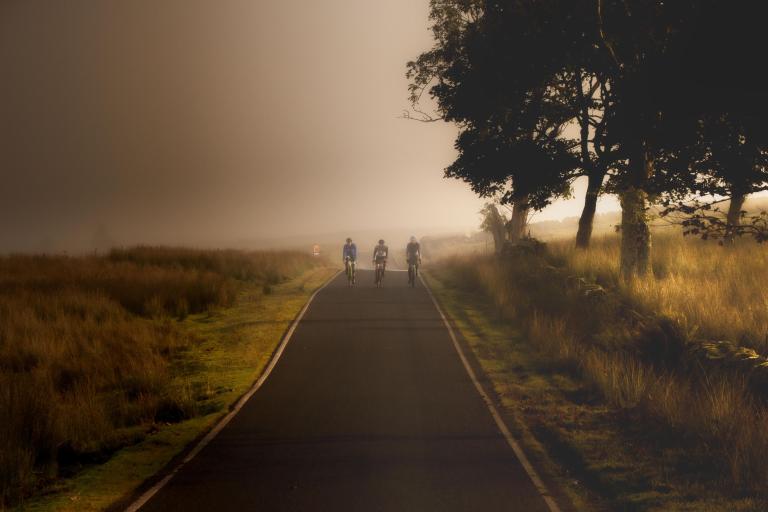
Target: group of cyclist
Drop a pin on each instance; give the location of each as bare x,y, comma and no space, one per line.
380,256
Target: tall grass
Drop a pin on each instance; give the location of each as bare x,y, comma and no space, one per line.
87,345
720,292
632,341
269,267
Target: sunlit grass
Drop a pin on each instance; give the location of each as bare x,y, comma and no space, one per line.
549,383
91,349
233,346
718,292
632,341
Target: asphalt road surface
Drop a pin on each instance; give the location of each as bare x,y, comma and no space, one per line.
368,409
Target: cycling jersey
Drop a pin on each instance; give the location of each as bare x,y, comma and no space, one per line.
349,251
380,253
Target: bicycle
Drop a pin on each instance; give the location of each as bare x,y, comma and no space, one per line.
413,272
379,276
349,269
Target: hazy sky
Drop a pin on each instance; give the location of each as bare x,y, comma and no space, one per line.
213,121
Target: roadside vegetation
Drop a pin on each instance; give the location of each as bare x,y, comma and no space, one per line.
713,293
677,356
93,350
655,102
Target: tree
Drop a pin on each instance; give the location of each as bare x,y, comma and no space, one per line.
639,77
638,36
596,153
672,64
495,224
733,162
499,166
578,60
728,161
492,72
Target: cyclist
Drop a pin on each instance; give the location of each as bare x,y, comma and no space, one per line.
413,257
380,253
349,255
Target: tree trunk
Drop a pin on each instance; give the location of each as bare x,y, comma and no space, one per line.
586,221
635,232
733,218
494,223
498,237
517,225
594,175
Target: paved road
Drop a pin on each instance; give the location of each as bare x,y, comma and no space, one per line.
368,409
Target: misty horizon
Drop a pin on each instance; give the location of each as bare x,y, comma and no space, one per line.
186,123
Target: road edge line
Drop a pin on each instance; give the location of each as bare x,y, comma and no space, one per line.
544,492
149,493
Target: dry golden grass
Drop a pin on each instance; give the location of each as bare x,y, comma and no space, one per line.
643,365
717,292
86,346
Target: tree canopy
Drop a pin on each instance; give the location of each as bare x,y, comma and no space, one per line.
663,96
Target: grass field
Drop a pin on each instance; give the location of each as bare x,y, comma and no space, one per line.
712,291
601,456
142,348
633,347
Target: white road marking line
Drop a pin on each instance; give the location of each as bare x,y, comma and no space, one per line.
519,453
144,498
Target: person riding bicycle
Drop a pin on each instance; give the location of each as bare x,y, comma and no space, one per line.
349,255
413,252
380,253
413,257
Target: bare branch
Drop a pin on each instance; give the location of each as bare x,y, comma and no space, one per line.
422,117
603,36
708,222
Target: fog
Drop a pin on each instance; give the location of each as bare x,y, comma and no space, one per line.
226,122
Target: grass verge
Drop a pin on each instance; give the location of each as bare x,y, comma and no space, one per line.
604,457
231,348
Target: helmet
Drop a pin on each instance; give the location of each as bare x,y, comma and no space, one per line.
381,242
349,240
413,238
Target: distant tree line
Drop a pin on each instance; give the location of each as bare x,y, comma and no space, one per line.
654,101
